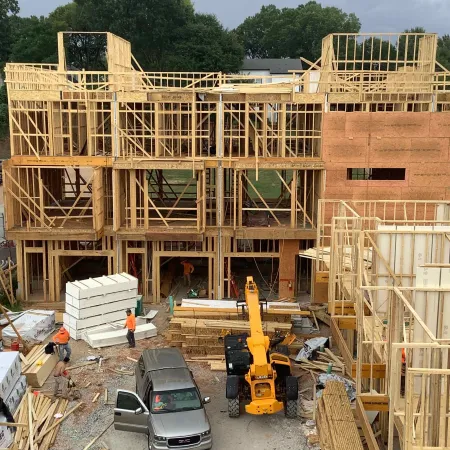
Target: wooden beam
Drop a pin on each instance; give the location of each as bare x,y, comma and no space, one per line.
365,425
374,402
62,161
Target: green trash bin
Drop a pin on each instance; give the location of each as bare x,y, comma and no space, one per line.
138,309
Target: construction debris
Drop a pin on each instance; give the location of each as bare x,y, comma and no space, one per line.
37,415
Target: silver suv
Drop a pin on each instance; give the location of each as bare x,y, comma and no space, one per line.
167,404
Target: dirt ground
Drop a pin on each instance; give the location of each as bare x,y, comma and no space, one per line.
247,432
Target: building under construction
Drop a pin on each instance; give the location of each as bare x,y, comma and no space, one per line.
123,170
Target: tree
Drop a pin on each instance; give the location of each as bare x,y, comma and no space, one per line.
34,38
443,51
293,32
3,112
152,26
253,31
206,46
7,8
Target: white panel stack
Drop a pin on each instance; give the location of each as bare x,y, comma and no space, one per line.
16,395
98,301
10,368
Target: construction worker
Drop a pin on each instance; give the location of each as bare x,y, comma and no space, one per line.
188,268
130,324
62,378
61,339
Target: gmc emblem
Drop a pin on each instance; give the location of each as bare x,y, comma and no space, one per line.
184,441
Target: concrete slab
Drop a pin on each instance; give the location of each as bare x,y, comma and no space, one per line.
117,337
85,313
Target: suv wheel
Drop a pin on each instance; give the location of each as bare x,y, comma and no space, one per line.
233,407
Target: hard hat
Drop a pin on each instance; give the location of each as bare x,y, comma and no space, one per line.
62,329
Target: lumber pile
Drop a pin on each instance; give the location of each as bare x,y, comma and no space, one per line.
335,421
38,424
321,364
201,336
227,310
271,315
37,366
216,362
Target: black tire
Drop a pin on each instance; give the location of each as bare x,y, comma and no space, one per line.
233,407
290,410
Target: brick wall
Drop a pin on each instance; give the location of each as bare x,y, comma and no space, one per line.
418,142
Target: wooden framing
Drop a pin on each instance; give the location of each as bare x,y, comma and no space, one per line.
389,261
128,160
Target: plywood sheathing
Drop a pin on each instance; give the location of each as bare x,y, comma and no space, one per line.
383,140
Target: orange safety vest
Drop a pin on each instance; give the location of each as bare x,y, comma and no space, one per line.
403,356
62,337
130,323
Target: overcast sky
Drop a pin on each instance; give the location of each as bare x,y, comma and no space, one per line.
375,15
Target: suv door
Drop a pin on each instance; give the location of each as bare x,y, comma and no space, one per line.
130,413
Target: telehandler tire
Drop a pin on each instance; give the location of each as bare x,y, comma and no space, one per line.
290,410
233,407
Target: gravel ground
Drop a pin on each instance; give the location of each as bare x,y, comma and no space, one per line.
247,432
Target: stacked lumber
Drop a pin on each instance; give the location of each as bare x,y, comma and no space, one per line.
321,364
38,426
271,315
201,336
37,366
335,421
216,362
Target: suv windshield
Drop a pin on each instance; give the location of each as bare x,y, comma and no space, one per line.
175,401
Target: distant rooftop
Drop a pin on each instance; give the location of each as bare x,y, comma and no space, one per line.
273,65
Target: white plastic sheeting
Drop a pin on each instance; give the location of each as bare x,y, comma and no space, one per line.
34,326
